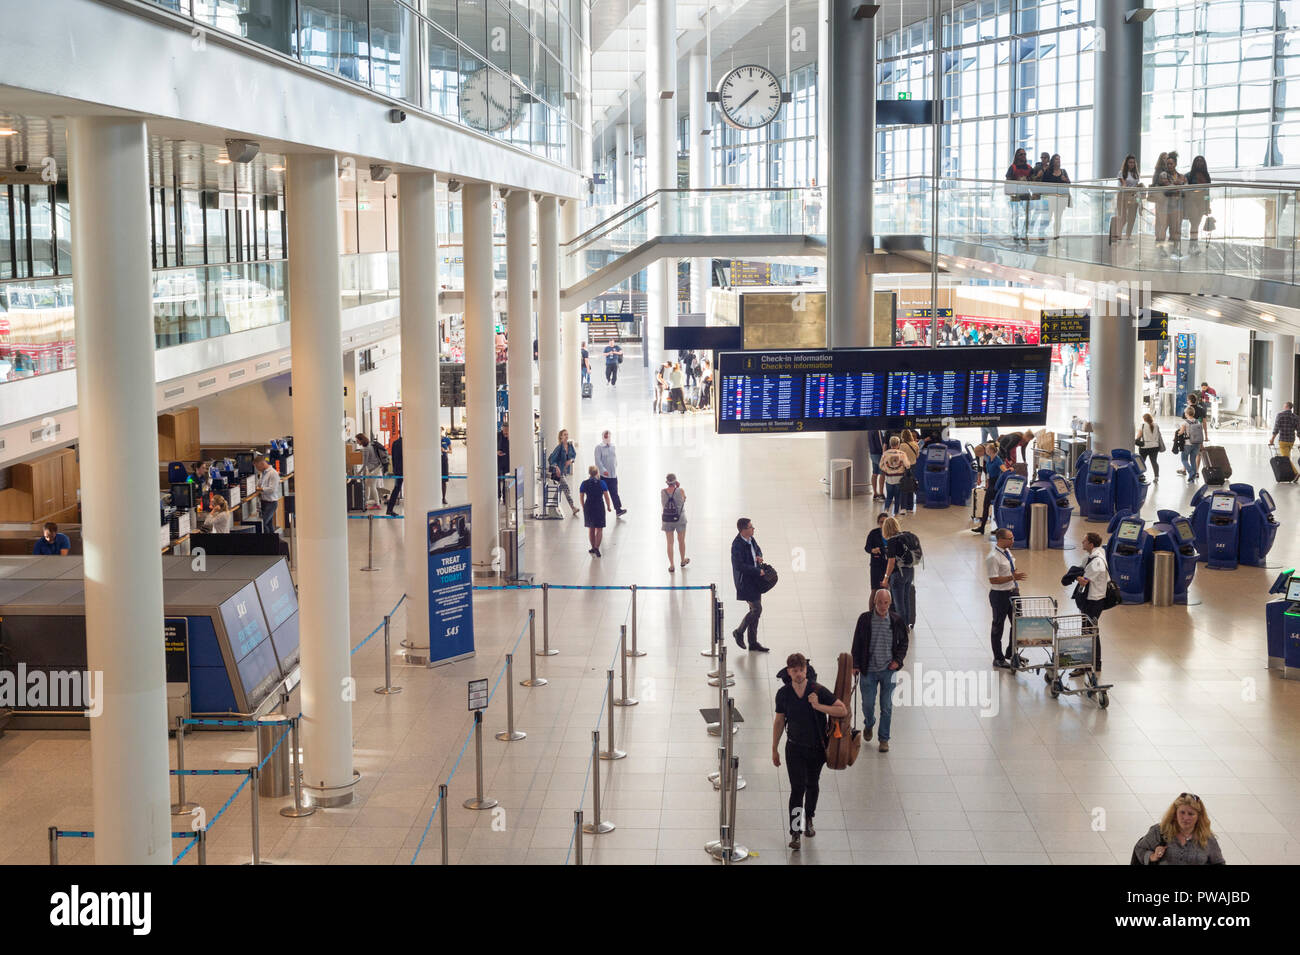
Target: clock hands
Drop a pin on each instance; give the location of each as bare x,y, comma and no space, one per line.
746,100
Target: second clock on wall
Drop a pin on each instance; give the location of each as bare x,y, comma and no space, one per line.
750,97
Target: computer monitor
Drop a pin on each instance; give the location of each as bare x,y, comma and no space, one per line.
1223,503
1062,488
1129,530
1293,589
244,462
936,453
1098,464
1267,498
1183,530
183,496
1014,487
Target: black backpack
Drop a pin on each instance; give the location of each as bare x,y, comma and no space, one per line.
912,553
385,462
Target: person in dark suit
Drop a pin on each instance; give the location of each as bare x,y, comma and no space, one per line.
747,571
396,454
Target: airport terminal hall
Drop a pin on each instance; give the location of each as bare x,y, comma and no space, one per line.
651,433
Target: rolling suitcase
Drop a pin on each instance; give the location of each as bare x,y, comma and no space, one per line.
356,496
1283,470
1217,470
586,389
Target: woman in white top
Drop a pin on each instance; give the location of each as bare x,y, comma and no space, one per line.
1150,443
893,465
1096,576
677,388
672,501
1129,184
219,518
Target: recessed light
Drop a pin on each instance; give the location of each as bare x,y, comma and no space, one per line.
1212,312
1266,317
6,131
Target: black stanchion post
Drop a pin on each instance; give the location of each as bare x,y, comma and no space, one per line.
442,804
202,848
713,623
577,837
54,845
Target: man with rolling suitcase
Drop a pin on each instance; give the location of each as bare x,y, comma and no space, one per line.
1284,429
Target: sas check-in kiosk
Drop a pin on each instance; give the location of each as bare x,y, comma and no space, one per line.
1107,484
1174,533
1051,489
1227,535
946,477
1222,527
1012,510
1282,621
1258,525
1129,556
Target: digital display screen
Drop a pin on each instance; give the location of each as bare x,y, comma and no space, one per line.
858,388
1098,465
258,671
936,453
1223,503
1014,487
1267,499
1183,528
1129,530
1062,488
1293,589
285,641
275,588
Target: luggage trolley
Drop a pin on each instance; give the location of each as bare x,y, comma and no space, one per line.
1075,647
1032,628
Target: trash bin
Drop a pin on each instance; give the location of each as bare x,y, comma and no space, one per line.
841,478
508,565
1038,526
274,780
1162,579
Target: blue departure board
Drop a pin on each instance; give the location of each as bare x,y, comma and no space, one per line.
860,388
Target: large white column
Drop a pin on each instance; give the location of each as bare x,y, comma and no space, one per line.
661,162
548,318
571,331
519,317
622,165
130,788
823,93
315,330
1283,374
421,460
480,373
1113,357
701,167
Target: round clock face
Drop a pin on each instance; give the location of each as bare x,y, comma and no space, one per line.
489,102
750,97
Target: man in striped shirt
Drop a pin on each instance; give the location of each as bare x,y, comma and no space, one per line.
1284,429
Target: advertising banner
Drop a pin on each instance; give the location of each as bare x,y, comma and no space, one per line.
451,590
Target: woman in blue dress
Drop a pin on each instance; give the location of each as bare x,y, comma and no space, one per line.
594,495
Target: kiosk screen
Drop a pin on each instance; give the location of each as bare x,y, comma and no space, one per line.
1014,487
1223,503
1129,530
1267,499
1098,465
1293,589
936,454
1062,488
1183,528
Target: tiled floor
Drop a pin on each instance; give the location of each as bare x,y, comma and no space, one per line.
1039,781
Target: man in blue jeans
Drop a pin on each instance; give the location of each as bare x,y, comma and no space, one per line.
879,647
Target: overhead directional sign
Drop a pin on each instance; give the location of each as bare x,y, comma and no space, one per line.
608,316
1152,326
1065,326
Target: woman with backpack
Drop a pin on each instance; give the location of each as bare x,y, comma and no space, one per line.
1150,443
1090,579
893,465
672,501
902,552
1192,435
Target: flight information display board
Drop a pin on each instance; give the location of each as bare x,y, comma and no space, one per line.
859,388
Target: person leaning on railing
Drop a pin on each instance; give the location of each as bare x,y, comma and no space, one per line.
1196,202
1129,185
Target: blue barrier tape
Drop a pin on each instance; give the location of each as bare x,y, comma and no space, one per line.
585,587
209,722
88,834
464,746
209,772
193,842
375,517
400,477
372,633
239,789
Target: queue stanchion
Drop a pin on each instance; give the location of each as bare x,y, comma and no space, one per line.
298,809
613,752
634,652
624,699
715,729
201,835
714,846
181,806
721,676
546,650
727,717
597,826
254,774
510,734
54,845
442,823
577,837
713,623
735,853
478,800
388,689
370,544
533,678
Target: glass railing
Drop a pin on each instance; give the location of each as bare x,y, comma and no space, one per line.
416,58
367,277
190,304
1246,230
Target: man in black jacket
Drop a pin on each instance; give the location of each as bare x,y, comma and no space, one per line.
396,455
747,571
879,648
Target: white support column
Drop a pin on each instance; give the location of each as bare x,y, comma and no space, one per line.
622,166
519,334
1283,375
571,333
661,162
130,788
548,318
823,93
1113,357
701,167
421,452
480,373
320,503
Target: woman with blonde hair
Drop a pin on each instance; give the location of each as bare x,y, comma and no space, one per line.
1182,837
219,517
1157,197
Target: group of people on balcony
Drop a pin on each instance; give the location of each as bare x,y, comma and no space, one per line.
1049,171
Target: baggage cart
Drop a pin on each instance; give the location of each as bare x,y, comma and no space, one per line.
1074,649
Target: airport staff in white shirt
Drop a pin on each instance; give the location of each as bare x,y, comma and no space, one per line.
1000,568
607,461
268,491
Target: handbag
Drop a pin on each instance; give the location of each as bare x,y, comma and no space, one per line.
1210,225
767,578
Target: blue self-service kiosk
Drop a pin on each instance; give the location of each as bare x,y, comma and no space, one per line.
935,476
1291,630
1174,533
1051,489
1258,528
1128,480
1012,510
961,475
1130,552
1106,484
1222,528
1275,617
1097,497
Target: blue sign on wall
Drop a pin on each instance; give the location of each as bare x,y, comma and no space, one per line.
1184,369
451,586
